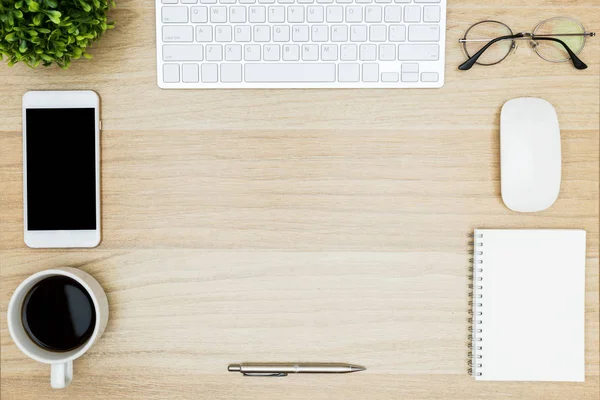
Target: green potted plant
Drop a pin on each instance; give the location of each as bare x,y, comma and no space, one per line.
50,31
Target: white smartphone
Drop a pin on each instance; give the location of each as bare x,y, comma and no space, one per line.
61,169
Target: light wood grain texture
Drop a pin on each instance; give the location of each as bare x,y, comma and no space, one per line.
299,224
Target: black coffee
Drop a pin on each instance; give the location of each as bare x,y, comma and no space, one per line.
58,314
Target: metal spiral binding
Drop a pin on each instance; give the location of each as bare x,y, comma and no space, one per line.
476,308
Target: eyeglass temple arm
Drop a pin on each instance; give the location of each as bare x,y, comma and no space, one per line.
473,59
576,61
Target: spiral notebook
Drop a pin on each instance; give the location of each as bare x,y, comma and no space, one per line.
528,305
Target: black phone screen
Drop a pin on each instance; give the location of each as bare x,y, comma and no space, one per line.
61,169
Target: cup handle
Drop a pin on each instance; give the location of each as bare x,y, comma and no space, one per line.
61,375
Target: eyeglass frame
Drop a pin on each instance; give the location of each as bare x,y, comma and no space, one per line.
472,59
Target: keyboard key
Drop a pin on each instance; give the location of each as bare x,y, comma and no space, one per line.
262,33
175,15
412,14
169,1
247,1
348,52
231,73
373,14
190,73
174,33
291,52
363,1
329,52
227,1
266,1
252,52
310,52
427,1
354,14
368,52
348,72
335,14
295,14
233,52
424,33
189,1
319,33
208,1
285,1
324,1
402,1
418,52
242,33
281,33
392,14
370,72
431,14
223,33
237,14
377,33
300,33
177,52
256,14
171,73
306,1
204,34
318,72
199,15
276,14
218,14
209,73
271,52
387,52
389,77
383,1
214,52
410,77
430,77
397,33
358,33
315,14
339,33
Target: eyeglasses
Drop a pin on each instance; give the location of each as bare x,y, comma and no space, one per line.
489,42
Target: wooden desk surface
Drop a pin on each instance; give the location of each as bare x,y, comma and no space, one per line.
299,224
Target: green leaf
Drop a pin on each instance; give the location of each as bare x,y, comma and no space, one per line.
33,6
23,46
86,7
54,16
37,19
11,37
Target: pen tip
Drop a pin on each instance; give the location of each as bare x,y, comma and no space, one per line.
234,368
356,368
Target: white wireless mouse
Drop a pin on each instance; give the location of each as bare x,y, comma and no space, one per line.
530,155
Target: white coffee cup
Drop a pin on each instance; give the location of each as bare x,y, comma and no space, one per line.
61,364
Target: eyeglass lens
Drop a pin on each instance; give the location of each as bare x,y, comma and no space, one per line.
480,34
558,27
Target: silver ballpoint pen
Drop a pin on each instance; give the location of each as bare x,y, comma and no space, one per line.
282,369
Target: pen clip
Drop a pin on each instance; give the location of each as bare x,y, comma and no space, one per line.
273,374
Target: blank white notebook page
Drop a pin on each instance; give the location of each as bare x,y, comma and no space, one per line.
529,305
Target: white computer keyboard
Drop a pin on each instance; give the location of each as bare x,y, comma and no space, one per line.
300,43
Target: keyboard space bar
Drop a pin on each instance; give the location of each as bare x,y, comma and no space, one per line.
289,72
